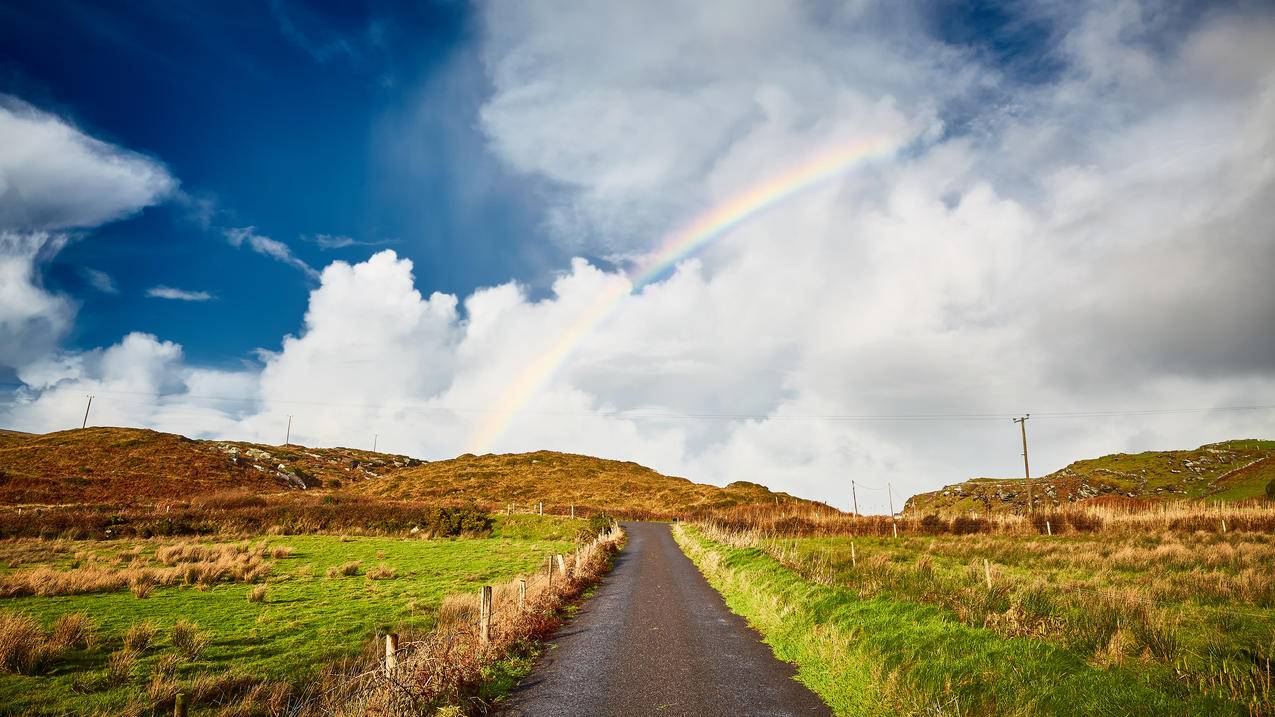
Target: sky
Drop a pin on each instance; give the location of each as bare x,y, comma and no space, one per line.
805,244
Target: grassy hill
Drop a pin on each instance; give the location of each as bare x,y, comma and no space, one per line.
560,479
1231,470
137,466
131,465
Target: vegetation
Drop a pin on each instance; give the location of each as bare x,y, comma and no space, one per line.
1230,471
226,640
522,481
1140,613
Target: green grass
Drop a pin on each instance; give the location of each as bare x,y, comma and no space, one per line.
889,655
306,620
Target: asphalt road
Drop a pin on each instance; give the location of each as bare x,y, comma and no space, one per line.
656,639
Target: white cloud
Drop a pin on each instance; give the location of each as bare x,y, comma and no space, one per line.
1099,241
53,179
100,280
272,248
168,292
328,242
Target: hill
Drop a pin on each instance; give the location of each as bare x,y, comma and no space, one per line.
521,480
1231,470
123,466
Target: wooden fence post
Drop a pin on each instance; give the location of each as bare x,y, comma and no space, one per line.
541,507
550,572
896,529
391,653
1223,526
484,615
1049,530
179,705
573,510
854,560
562,565
987,572
522,594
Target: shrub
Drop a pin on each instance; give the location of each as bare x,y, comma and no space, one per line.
188,639
73,630
966,525
140,636
120,666
141,588
24,647
257,594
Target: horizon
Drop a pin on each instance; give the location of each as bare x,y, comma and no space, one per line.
816,244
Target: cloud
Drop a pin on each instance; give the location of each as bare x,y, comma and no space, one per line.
1096,239
100,280
272,248
334,241
54,179
168,292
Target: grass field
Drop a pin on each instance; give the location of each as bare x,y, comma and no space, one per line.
311,613
1161,623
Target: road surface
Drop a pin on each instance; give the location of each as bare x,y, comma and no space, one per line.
656,639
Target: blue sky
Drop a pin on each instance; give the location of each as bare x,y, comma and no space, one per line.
420,220
296,118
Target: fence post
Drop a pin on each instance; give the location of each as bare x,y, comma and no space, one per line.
1048,528
391,653
896,529
179,705
541,507
1223,526
522,594
987,572
484,615
562,565
854,560
573,510
550,572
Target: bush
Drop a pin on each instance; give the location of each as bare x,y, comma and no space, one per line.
73,630
24,647
140,636
188,640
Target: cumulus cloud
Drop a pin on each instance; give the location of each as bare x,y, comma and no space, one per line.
168,292
272,248
1097,239
55,179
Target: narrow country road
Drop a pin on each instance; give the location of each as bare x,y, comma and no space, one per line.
656,639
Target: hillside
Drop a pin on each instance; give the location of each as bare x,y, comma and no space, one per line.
1231,470
122,466
560,479
129,466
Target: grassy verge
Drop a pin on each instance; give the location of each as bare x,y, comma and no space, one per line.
882,655
307,613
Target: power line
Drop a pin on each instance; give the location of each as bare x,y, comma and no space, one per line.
671,415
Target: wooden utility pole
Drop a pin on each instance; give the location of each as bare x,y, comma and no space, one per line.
889,492
1027,471
287,437
375,436
855,497
86,412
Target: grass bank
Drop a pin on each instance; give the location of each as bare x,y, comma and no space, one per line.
884,655
318,600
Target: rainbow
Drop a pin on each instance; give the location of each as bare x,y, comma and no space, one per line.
682,243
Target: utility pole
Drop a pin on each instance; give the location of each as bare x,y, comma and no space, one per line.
86,412
374,437
287,437
890,493
1027,471
855,497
